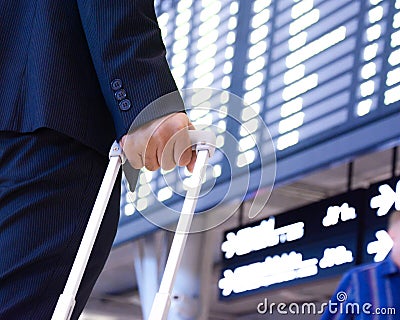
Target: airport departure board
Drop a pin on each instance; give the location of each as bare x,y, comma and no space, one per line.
308,71
310,243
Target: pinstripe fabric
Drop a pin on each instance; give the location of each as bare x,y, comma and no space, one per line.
374,286
58,58
45,201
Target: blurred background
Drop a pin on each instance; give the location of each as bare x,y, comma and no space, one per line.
305,99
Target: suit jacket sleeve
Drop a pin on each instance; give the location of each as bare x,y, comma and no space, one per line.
129,57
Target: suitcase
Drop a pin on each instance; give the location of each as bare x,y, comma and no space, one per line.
204,144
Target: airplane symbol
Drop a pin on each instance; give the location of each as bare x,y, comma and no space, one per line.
381,246
386,199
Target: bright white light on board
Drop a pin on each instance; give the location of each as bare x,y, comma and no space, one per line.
183,17
257,50
374,32
252,96
142,178
364,107
198,113
247,143
221,126
304,22
180,45
163,18
291,122
217,170
336,213
368,71
130,196
148,175
141,204
300,87
336,257
164,194
254,80
255,65
226,82
129,210
234,8
209,38
380,247
273,270
207,53
386,199
260,18
393,77
144,191
207,120
367,88
370,51
287,140
210,10
183,5
294,74
259,34
231,37
209,25
251,111
297,41
291,107
259,5
326,41
375,14
395,39
246,158
392,95
248,127
179,59
232,23
223,98
219,143
264,235
179,71
205,67
227,67
396,20
301,8
229,52
182,31
394,58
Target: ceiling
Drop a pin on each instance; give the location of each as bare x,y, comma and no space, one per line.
115,296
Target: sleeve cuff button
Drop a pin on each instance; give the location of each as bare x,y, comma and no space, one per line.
116,84
125,105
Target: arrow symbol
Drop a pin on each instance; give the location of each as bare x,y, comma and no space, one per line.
386,199
380,247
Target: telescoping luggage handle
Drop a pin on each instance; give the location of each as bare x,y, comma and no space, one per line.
204,144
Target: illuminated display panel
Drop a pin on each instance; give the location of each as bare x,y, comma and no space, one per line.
312,242
312,70
320,240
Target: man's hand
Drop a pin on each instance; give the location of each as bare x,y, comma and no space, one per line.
163,142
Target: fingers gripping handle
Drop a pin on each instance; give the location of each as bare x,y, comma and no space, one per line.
203,140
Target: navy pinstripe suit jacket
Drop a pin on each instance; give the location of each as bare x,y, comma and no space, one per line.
59,58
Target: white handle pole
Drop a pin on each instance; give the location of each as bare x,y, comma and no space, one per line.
66,302
162,301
